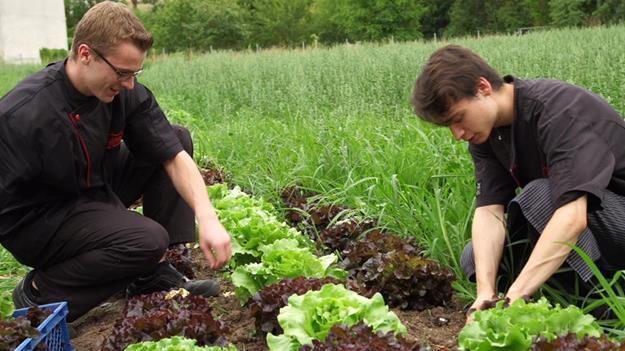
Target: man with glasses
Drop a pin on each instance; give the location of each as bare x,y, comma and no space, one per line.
80,141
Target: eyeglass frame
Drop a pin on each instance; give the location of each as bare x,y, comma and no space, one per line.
121,74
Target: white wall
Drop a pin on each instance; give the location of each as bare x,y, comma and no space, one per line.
28,25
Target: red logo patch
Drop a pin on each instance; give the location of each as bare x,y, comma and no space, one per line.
114,140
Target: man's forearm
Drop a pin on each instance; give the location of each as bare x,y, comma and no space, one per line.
567,223
488,237
188,181
214,240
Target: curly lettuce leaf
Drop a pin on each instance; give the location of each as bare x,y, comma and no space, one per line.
175,343
251,222
282,259
514,327
311,316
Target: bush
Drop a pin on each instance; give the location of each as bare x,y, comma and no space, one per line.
48,55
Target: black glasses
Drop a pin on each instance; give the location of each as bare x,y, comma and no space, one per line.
121,74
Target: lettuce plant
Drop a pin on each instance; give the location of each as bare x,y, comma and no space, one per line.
175,343
513,328
393,266
161,315
282,259
13,332
266,304
251,222
361,337
311,316
571,342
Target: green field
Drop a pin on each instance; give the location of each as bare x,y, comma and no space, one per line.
339,121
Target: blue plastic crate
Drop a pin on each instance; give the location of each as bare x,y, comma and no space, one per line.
53,330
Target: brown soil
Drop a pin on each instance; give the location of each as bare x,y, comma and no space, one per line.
437,327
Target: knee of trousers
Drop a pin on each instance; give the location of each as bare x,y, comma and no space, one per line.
184,136
151,242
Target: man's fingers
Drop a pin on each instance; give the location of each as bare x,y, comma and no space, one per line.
208,254
469,315
224,254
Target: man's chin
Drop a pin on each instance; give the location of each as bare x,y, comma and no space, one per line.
106,98
477,140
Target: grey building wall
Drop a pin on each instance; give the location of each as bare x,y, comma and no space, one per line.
29,25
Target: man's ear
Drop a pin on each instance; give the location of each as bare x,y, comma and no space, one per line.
484,87
84,53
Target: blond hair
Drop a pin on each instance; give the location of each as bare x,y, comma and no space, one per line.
107,24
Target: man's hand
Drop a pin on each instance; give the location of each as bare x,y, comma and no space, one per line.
487,235
215,243
565,226
481,302
213,238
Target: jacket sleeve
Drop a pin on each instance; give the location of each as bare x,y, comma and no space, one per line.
19,155
148,133
579,159
494,184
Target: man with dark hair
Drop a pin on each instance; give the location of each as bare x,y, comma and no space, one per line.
558,142
80,141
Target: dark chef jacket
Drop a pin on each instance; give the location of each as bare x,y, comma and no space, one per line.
561,132
57,147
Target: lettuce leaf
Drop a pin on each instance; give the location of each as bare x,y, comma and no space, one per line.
251,222
175,343
282,259
311,316
514,327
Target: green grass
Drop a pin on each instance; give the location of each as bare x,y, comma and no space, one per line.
338,121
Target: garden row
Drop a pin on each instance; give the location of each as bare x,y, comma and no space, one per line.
291,279
325,281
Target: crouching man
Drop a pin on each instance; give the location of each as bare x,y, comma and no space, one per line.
559,143
80,141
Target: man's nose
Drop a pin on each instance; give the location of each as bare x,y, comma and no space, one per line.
456,131
128,83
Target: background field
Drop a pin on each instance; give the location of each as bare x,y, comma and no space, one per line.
339,121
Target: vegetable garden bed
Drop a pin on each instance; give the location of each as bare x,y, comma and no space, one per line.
418,290
285,290
438,326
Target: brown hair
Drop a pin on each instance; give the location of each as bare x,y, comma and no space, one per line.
107,24
451,74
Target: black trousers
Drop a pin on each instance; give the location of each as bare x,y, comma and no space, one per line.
102,246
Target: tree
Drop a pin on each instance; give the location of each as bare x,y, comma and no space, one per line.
466,17
566,13
538,11
279,22
506,16
435,17
610,11
74,10
368,20
197,24
330,21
